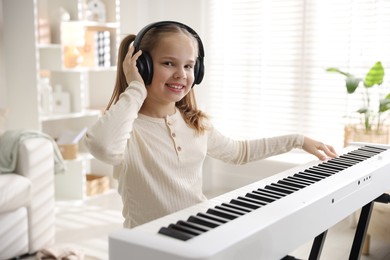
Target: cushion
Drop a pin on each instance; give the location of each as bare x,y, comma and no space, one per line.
15,192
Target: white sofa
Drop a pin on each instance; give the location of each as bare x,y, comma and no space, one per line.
27,200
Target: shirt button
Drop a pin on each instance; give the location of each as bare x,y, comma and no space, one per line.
173,135
179,148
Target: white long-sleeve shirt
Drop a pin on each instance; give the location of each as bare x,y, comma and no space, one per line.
158,161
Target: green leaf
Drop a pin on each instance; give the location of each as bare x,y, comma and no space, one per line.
375,75
362,110
352,83
384,104
338,71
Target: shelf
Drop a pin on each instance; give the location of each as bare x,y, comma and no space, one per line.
85,113
95,25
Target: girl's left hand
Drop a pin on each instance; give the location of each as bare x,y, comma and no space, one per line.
315,147
130,66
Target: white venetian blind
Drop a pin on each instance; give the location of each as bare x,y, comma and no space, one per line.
266,63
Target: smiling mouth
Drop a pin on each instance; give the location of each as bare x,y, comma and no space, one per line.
176,87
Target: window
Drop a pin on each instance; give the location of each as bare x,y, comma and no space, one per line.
266,63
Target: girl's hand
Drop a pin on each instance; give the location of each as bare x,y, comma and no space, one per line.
314,147
130,66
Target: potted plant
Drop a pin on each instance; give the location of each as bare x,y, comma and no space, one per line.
373,111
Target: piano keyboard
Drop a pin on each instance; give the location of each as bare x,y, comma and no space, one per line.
266,219
221,214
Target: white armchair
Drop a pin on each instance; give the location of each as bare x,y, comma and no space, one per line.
27,200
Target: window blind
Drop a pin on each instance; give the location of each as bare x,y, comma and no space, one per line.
266,63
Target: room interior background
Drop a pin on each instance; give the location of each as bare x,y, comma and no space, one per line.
265,61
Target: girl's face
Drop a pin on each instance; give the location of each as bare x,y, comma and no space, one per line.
173,68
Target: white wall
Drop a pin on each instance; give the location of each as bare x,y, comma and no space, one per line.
2,73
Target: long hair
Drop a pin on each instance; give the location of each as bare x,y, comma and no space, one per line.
193,117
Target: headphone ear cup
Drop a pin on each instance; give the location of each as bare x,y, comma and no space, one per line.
198,72
145,67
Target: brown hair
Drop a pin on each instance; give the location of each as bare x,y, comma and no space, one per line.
193,117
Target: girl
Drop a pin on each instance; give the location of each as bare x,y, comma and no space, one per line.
154,134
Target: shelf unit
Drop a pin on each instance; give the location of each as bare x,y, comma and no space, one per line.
89,85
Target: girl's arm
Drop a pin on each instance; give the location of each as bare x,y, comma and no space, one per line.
107,138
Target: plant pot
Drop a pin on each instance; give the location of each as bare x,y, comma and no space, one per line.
355,133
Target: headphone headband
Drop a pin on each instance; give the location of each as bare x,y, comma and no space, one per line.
145,64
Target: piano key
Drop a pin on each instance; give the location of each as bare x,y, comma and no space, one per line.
192,225
317,172
313,176
300,179
204,221
375,148
185,229
287,187
270,193
260,197
252,200
231,210
168,231
213,217
234,206
307,176
341,166
335,166
352,157
325,169
279,189
292,183
244,204
222,213
347,161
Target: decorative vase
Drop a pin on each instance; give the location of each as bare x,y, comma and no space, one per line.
355,133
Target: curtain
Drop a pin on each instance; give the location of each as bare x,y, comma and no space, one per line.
266,63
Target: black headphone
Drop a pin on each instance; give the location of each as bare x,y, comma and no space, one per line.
145,62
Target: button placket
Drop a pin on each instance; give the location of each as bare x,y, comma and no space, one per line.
173,134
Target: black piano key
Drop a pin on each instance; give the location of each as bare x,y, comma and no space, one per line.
213,217
367,150
270,193
375,148
235,206
325,169
300,179
222,213
292,183
313,176
185,229
244,204
357,154
175,233
335,166
287,187
196,226
341,162
352,157
252,200
231,210
317,172
260,197
346,161
307,176
203,221
275,188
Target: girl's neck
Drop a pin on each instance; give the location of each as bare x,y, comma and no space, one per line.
158,111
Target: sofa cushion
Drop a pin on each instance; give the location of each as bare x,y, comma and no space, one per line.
15,192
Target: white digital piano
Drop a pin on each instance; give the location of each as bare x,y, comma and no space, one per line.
268,218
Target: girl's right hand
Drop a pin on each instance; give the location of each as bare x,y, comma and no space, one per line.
130,66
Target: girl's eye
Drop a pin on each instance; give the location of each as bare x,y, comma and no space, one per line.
189,67
168,63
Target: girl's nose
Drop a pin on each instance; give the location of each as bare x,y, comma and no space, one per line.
180,73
